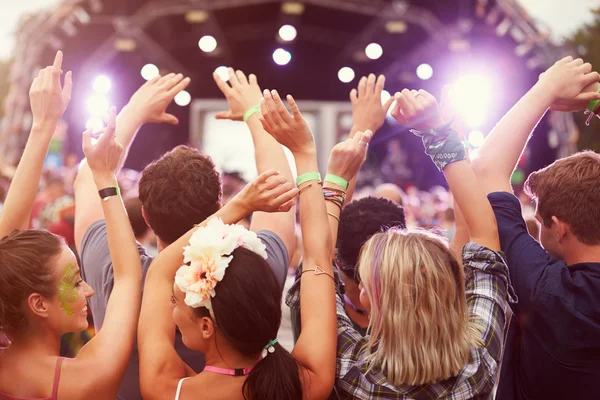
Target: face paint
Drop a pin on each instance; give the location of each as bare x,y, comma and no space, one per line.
67,292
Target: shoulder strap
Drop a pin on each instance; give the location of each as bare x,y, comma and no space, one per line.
56,377
179,388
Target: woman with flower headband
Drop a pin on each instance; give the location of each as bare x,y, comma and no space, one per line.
226,301
42,295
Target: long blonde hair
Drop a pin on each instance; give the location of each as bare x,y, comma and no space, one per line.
420,330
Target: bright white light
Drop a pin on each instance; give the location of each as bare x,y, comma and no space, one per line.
476,138
288,33
183,98
471,97
102,84
385,96
374,51
474,153
282,57
207,44
95,124
223,73
346,75
424,72
97,105
149,71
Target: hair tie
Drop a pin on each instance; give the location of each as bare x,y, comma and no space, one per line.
270,347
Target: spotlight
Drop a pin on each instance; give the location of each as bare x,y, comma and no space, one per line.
346,74
476,138
282,57
97,105
149,71
288,33
385,96
102,84
95,124
471,97
374,51
424,72
183,98
223,72
207,44
396,27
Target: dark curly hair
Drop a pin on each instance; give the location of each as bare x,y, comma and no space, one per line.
360,220
179,190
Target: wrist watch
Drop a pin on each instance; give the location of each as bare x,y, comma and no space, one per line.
107,193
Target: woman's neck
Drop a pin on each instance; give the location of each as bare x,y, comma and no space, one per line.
223,355
34,345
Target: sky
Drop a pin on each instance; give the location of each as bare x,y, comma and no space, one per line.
563,17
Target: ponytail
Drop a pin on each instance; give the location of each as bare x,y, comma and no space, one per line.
275,377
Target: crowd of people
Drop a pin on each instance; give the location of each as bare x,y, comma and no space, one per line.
202,287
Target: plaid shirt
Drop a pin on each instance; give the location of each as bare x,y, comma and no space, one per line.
488,290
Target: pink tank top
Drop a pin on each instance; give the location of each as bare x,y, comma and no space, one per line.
54,386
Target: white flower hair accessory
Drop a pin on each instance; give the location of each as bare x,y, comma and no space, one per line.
207,257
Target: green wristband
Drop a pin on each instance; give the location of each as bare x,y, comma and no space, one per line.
251,112
336,180
593,104
309,176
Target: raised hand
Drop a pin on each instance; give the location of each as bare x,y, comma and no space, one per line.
103,157
289,130
417,109
48,99
243,94
347,157
270,192
566,83
151,100
367,111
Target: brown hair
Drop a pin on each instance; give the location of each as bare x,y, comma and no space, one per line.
133,205
568,189
179,190
25,258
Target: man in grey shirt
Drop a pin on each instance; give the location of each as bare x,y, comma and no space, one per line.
179,190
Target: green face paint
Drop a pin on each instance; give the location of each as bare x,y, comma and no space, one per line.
67,292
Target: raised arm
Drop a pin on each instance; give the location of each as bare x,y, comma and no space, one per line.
148,104
160,365
561,85
244,98
368,113
443,145
48,103
316,347
345,161
107,354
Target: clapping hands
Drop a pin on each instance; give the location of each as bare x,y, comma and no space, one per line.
417,109
289,130
103,157
565,82
48,99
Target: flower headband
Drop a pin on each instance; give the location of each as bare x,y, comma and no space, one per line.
207,257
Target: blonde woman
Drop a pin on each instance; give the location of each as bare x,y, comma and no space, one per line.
436,329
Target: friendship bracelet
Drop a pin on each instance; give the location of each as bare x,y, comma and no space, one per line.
319,271
336,180
251,112
308,176
591,108
337,202
338,191
334,216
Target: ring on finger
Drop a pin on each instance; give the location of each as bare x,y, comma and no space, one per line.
363,144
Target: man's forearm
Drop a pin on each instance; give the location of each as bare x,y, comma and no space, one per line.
268,152
502,149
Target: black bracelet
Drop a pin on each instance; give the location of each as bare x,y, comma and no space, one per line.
107,193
